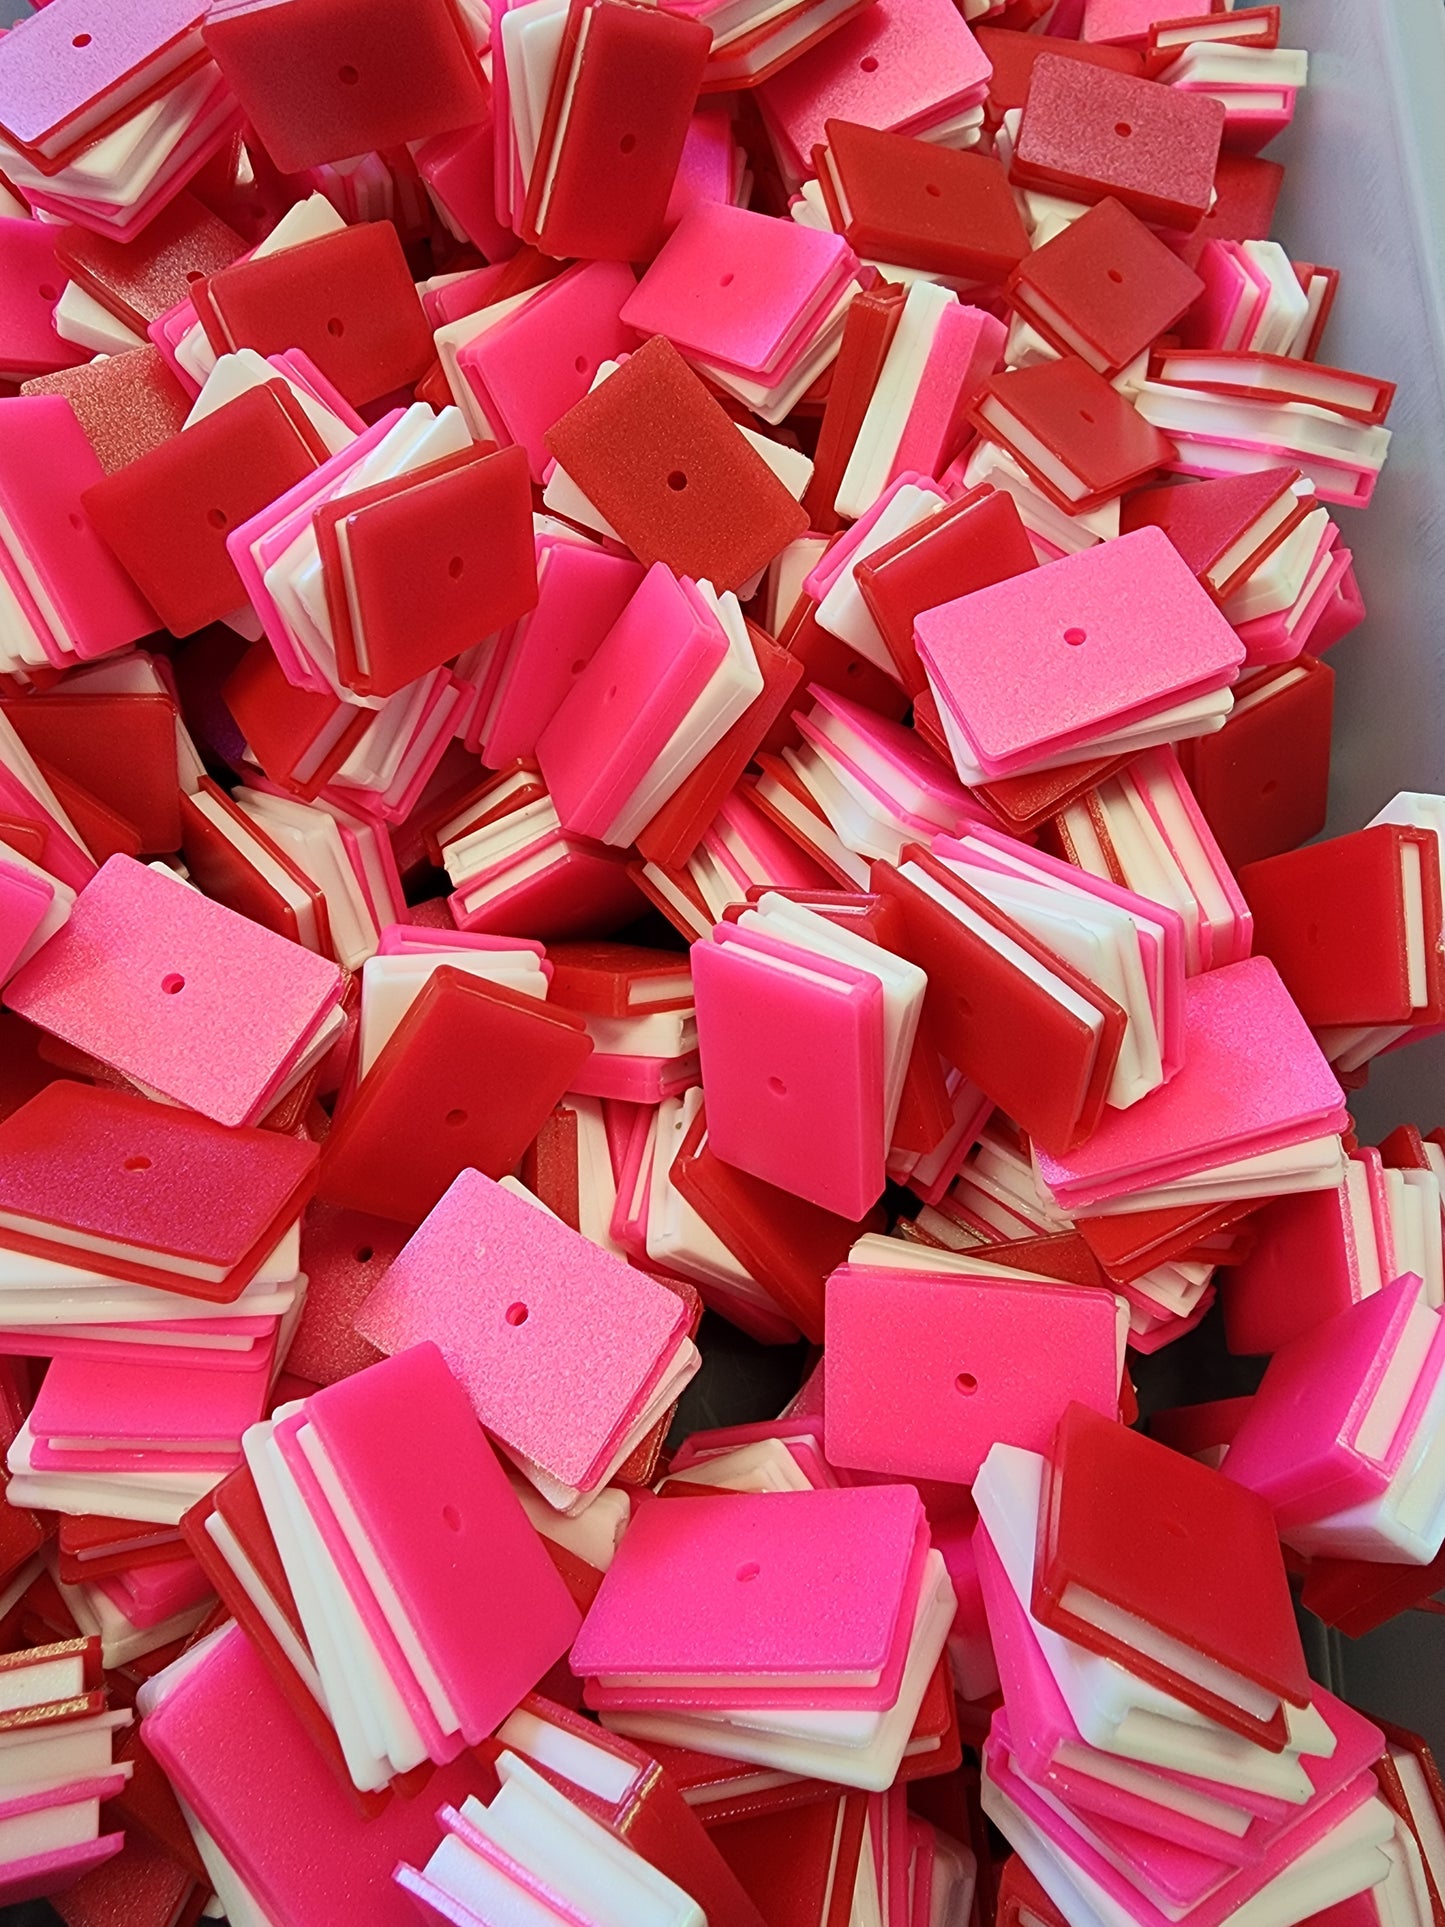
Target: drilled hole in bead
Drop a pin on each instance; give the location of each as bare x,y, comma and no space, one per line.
364,1254
173,984
677,481
966,1383
749,1571
579,665
136,1165
216,518
580,364
1075,638
855,668
456,1118
1123,129
777,1087
627,143
76,520
611,696
336,327
517,1314
348,76
1085,416
81,40
451,1518
1270,787
455,567
47,293
727,280
868,64
194,274
933,191
1116,277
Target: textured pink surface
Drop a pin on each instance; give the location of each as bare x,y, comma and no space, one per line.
1126,21
706,170
177,992
85,1398
1158,779
420,939
75,51
256,544
1152,146
142,1887
216,121
1303,1268
1235,295
470,1571
581,591
1044,1726
344,1254
846,727
117,1167
1253,1079
64,857
924,1374
558,1343
899,62
175,1345
981,844
431,1903
757,1583
1045,1721
635,1080
46,1458
534,366
24,900
1184,1875
1003,658
290,1437
1282,637
733,286
28,267
620,713
1316,1819
793,1069
774,1689
52,1873
149,1594
281,1815
967,347
462,169
1297,1443
580,890
46,462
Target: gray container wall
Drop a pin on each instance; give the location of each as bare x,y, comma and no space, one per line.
1365,193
